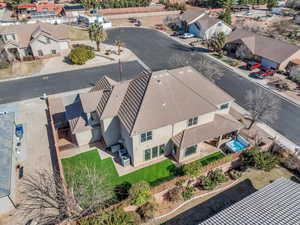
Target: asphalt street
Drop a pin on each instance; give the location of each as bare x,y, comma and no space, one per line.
158,52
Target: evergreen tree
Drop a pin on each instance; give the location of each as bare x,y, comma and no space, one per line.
226,16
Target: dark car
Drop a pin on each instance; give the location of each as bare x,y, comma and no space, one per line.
265,73
253,65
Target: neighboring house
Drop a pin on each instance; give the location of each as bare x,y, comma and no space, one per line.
7,163
73,10
169,112
34,40
94,17
270,52
276,204
202,24
39,10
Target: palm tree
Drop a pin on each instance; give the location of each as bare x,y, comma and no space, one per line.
97,34
119,44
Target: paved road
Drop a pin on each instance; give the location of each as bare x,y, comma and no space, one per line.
21,89
158,52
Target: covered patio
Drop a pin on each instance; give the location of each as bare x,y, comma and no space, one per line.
206,139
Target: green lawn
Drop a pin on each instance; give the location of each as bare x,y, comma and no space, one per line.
154,174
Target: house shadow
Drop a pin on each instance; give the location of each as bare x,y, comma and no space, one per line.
210,207
181,47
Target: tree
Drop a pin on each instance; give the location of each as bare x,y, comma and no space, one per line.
192,169
80,55
140,193
13,4
271,4
147,210
295,73
47,201
97,34
119,44
261,106
226,16
89,4
217,43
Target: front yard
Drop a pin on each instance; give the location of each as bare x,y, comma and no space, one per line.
154,174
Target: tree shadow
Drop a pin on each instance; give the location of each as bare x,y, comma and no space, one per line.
213,205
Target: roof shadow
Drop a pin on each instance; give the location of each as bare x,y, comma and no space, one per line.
203,211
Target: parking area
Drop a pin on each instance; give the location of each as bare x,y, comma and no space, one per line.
255,13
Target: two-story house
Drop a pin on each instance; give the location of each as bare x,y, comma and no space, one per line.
33,40
169,112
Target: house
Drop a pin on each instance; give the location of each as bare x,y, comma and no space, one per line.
39,10
202,25
92,17
276,204
73,10
169,112
270,52
7,163
33,40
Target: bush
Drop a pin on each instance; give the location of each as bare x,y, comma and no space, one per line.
192,169
80,55
187,194
88,47
258,159
174,195
113,217
147,211
140,193
4,65
234,174
212,179
122,191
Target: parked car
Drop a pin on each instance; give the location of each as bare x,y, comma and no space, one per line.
138,23
19,130
132,19
251,65
177,33
263,74
187,35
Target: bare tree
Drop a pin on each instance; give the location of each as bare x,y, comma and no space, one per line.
205,66
47,201
262,106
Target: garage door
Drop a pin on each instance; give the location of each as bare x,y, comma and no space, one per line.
269,63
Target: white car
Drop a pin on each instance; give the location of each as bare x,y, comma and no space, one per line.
188,35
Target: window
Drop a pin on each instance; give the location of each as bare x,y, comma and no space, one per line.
154,152
224,106
146,136
147,154
192,121
40,53
161,150
53,52
190,150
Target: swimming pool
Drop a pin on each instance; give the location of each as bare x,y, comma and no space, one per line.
238,144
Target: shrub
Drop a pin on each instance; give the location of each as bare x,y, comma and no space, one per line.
147,211
212,179
88,47
258,159
115,216
140,193
122,191
4,65
174,195
234,174
192,169
80,55
188,192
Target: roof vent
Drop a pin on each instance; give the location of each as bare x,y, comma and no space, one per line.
164,104
158,81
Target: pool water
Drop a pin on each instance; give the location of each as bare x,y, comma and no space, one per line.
236,146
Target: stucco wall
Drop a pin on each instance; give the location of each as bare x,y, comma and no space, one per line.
89,136
127,141
40,43
182,152
111,130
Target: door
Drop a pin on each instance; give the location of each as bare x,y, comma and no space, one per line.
268,63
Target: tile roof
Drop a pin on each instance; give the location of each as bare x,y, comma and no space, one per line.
90,100
6,152
57,109
276,204
24,32
275,50
104,83
222,124
191,14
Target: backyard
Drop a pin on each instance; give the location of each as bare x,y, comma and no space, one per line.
154,174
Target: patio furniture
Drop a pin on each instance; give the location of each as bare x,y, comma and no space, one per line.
125,160
122,152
